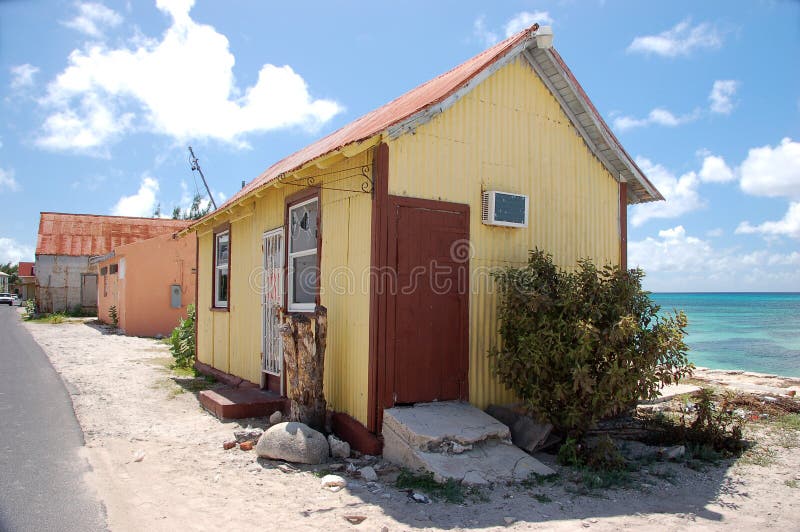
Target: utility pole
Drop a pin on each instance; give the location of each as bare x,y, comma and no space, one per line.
196,166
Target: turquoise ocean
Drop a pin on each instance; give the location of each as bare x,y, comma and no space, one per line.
748,331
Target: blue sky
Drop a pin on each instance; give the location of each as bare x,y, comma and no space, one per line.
100,100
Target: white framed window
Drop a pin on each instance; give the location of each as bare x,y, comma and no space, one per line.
221,262
302,271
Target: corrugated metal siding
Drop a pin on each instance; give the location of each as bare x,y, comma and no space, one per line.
510,134
346,226
205,324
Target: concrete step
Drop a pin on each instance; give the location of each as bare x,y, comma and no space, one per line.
455,440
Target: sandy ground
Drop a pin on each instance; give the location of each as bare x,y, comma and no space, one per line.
129,406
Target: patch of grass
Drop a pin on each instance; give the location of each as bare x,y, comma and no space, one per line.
185,372
595,480
55,318
760,456
788,422
450,491
792,483
541,497
535,479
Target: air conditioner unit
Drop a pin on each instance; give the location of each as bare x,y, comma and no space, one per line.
504,209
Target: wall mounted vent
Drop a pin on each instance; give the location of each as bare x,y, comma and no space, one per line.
504,209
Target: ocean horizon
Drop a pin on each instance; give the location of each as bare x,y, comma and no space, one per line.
749,331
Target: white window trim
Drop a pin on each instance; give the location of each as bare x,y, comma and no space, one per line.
292,306
218,303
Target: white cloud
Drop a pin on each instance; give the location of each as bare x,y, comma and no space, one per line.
93,18
687,263
7,180
715,233
526,19
721,96
143,203
22,76
87,129
680,193
773,172
484,34
681,39
789,225
715,170
181,86
12,251
658,116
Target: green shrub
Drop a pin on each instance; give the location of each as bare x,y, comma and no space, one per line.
182,341
30,308
112,314
582,345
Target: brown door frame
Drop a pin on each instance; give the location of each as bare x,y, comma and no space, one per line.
382,298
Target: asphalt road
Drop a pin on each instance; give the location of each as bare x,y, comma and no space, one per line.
41,470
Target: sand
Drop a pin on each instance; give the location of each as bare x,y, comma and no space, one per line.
129,408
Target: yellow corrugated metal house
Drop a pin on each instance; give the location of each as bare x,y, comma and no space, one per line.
395,222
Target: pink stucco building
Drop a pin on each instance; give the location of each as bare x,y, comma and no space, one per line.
150,282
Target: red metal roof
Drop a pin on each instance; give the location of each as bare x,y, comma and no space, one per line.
91,234
426,95
25,269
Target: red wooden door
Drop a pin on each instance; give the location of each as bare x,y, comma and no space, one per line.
428,320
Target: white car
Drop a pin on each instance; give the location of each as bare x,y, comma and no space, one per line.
17,300
6,299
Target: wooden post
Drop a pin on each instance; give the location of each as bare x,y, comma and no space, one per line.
304,354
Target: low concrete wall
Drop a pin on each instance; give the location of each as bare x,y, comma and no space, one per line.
58,282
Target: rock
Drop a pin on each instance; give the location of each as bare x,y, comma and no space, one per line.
229,444
420,497
248,434
473,478
508,520
246,445
339,448
673,453
333,483
355,519
526,433
293,442
286,468
335,467
139,456
276,417
368,473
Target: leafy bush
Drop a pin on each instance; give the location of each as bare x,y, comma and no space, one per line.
583,345
112,314
182,342
30,308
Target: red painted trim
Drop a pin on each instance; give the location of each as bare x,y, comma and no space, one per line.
623,225
377,298
356,434
196,294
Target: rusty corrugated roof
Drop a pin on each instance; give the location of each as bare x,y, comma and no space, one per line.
424,96
92,234
25,269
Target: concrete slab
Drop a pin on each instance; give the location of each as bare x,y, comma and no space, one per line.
427,426
455,441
